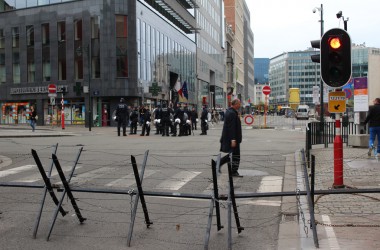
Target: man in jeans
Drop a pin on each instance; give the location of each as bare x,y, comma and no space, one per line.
373,118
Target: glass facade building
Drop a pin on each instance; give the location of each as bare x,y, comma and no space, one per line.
95,52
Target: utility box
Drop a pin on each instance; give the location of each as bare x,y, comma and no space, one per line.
360,141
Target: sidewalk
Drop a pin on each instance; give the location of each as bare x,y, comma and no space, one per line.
344,221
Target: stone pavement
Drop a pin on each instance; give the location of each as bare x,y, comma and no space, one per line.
344,221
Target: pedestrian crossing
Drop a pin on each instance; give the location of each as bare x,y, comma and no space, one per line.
173,182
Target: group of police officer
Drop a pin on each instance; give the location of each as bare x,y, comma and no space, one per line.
177,121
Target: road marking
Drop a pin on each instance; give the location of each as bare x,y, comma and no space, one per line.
128,180
17,170
333,242
260,203
178,180
270,184
85,177
37,177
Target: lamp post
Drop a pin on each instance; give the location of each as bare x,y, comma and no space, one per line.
321,97
89,86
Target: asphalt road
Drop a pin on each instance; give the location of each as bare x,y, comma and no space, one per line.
175,164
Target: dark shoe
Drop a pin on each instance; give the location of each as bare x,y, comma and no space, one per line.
174,135
236,174
202,134
124,134
147,134
141,135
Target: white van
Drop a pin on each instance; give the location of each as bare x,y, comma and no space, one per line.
302,112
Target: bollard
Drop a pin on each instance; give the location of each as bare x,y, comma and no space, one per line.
338,155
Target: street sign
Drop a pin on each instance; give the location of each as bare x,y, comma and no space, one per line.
52,100
266,90
248,119
337,102
52,88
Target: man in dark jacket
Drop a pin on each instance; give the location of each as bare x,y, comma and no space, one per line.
194,118
146,122
134,117
122,114
204,120
373,118
231,137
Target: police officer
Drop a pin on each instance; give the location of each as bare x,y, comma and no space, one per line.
194,119
146,122
177,115
122,114
165,118
156,116
134,120
204,120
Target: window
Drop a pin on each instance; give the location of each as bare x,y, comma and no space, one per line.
30,35
2,39
16,67
15,37
61,35
45,33
78,51
121,46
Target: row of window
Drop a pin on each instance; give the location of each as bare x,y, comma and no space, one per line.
7,5
81,51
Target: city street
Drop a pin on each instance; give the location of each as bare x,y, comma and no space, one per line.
178,165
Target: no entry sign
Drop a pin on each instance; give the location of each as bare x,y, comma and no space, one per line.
52,89
266,90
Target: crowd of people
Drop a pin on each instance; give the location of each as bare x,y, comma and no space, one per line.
165,119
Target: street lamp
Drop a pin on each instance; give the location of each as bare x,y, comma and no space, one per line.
321,97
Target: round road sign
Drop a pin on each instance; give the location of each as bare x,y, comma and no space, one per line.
266,90
248,119
52,88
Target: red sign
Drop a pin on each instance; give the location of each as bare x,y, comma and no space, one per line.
266,90
248,119
52,88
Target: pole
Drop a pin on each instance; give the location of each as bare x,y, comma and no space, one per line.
89,87
321,82
63,113
338,155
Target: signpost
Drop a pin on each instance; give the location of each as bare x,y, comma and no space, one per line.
248,119
52,93
266,92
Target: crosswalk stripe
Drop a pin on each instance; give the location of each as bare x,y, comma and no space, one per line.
37,177
178,180
85,177
17,170
128,180
270,184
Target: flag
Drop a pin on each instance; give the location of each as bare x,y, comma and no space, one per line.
184,90
183,93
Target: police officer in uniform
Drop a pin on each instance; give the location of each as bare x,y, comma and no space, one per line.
122,114
165,119
134,120
204,119
146,122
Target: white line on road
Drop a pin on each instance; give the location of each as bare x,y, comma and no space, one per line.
37,177
178,180
270,184
17,170
128,180
333,242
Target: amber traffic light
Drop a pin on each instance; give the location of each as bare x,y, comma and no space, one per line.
336,57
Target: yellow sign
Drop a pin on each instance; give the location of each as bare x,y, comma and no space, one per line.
337,102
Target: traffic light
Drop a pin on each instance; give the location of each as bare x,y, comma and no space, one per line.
336,57
317,45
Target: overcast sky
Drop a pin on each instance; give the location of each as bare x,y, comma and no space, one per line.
289,25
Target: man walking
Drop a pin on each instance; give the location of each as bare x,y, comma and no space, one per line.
122,115
231,137
373,118
204,120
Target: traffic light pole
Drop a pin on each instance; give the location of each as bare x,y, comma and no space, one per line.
338,154
321,97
